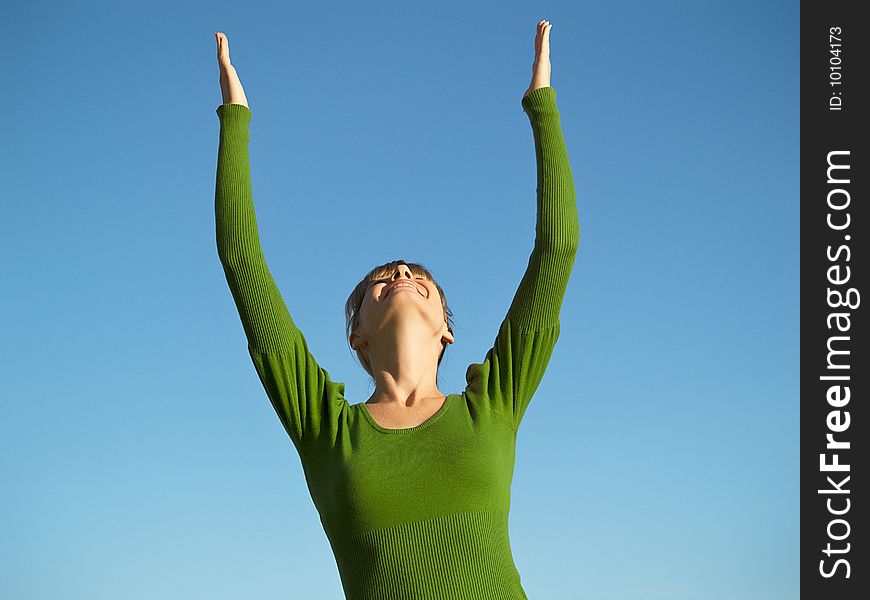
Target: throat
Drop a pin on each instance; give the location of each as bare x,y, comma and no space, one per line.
393,415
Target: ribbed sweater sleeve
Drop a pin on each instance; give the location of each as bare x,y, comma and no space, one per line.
512,369
300,390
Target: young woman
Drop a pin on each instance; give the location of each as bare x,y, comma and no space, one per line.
413,485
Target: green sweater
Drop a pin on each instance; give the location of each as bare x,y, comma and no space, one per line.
417,513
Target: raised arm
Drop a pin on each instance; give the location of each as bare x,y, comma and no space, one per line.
557,230
538,299
512,369
266,320
300,390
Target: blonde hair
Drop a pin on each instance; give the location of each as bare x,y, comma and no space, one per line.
354,303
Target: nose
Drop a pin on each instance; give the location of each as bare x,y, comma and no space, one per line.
402,271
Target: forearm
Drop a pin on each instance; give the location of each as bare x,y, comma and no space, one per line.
236,230
557,226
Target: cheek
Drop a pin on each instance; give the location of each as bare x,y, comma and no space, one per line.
434,302
369,300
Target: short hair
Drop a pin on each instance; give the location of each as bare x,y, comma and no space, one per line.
354,303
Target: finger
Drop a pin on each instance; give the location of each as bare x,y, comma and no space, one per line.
545,37
542,31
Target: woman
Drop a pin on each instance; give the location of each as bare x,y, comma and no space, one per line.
413,485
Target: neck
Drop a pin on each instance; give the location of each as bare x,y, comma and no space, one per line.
405,366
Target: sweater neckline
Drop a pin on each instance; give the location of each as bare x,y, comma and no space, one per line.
444,407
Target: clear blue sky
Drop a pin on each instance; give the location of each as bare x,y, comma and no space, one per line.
139,454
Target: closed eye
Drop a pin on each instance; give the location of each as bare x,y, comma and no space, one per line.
387,280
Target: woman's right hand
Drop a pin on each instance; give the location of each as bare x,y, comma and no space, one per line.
541,66
231,87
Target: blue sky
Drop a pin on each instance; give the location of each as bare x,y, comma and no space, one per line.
139,453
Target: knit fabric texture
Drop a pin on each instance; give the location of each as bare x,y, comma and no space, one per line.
417,513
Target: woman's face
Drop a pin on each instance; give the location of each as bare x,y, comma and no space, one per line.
401,298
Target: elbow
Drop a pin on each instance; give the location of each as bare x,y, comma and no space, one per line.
573,241
226,255
562,248
563,242
233,260
572,248
236,255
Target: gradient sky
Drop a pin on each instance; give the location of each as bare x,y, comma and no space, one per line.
139,454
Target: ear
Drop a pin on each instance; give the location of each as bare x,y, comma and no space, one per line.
357,342
447,336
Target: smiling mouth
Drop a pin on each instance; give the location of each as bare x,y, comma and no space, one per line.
400,286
